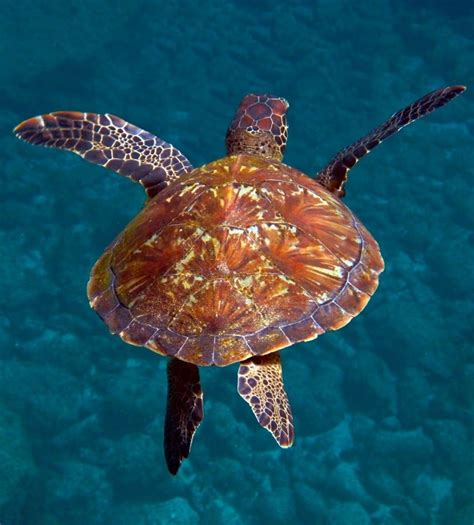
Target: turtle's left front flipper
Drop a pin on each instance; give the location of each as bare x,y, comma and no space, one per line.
334,175
184,411
260,383
111,142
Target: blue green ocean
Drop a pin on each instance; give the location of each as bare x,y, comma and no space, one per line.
383,408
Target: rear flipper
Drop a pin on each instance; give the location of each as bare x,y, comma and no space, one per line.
260,383
184,411
334,175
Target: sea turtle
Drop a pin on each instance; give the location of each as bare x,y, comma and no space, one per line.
232,261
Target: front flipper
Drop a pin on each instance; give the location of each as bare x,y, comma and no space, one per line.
184,411
334,175
111,142
260,383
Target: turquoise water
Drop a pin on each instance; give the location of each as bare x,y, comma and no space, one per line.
382,408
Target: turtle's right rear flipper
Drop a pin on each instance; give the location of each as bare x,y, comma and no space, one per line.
111,142
260,383
184,411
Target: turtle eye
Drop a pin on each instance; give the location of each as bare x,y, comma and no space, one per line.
253,130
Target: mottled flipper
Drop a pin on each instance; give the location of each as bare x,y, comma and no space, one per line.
260,383
111,142
184,411
334,175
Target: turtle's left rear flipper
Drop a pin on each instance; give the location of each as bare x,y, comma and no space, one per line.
184,411
111,142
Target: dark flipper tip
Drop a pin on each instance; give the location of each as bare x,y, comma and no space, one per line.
30,124
454,91
176,450
184,412
173,462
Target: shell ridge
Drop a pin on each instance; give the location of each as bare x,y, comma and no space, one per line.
280,270
152,336
311,190
357,263
349,271
111,287
316,322
159,230
196,293
214,349
178,310
343,309
243,294
182,346
251,350
164,274
205,189
310,235
168,272
285,336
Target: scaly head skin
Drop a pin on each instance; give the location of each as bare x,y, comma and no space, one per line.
259,127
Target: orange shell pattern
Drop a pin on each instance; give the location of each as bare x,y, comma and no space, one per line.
241,257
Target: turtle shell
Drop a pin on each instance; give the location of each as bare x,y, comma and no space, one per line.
241,257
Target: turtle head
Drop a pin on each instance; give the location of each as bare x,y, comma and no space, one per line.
259,127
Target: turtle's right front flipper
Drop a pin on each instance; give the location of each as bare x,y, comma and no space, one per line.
184,411
111,142
334,175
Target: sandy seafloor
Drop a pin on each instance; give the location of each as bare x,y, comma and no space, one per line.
382,408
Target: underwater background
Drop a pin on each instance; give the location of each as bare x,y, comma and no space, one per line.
382,408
